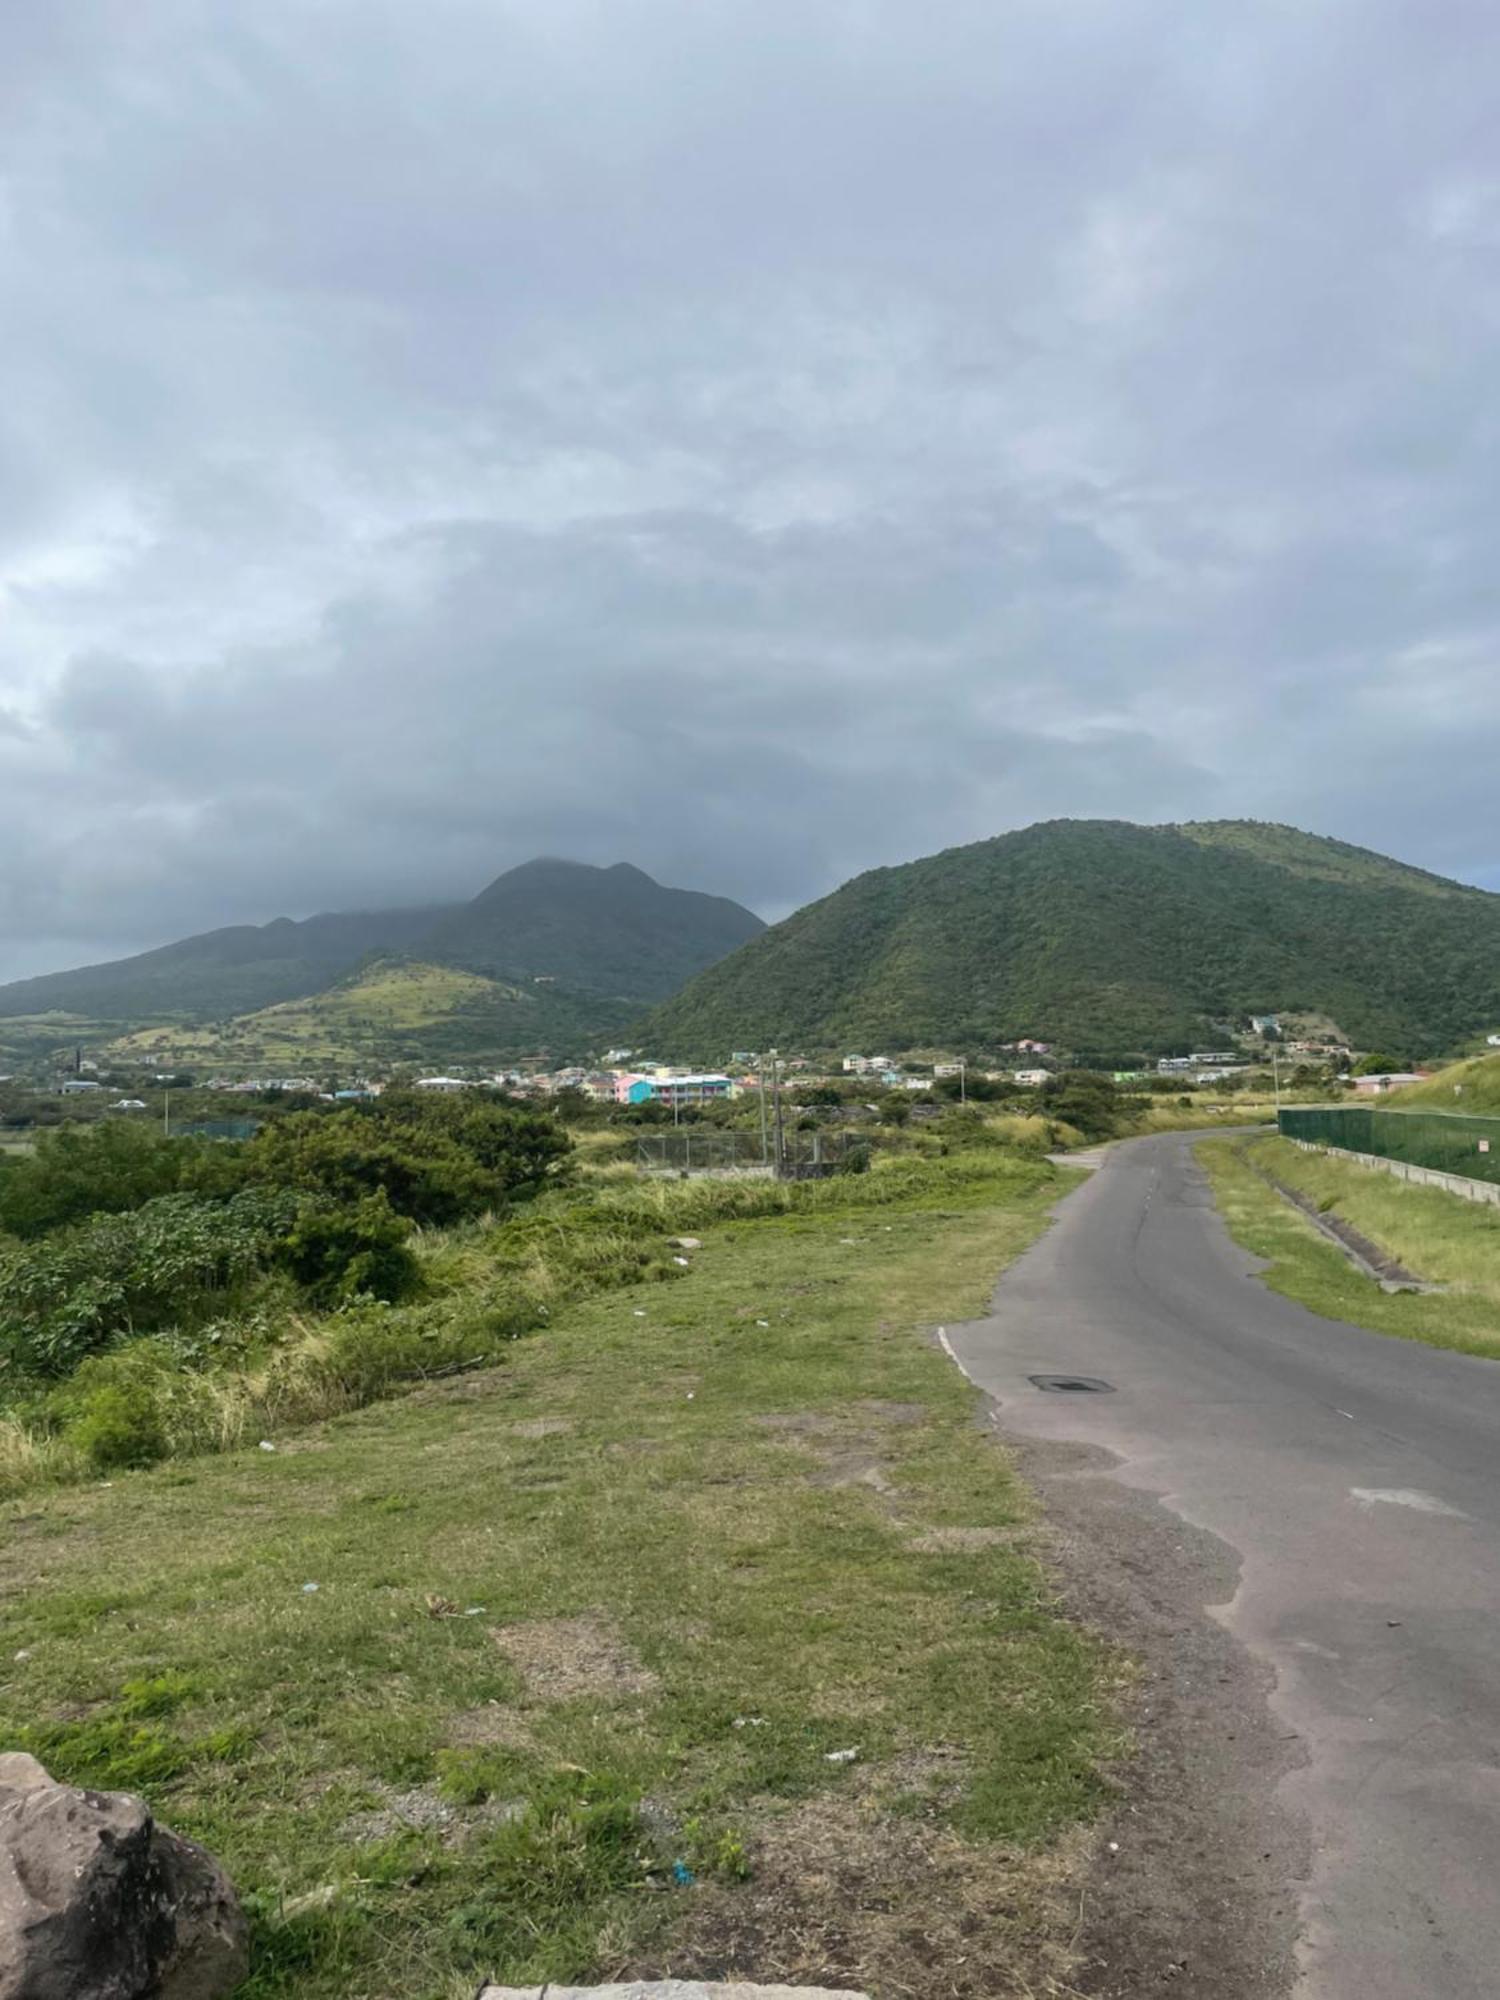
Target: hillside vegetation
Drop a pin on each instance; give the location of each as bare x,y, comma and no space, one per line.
391,1011
1100,934
1465,1086
566,953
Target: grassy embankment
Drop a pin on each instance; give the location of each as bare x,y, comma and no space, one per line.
1441,1237
1472,1086
596,1621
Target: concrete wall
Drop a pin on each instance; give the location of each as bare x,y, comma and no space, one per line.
1458,1184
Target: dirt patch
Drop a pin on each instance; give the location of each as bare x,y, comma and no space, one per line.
421,1810
490,1727
957,1541
561,1658
800,1423
892,1413
541,1427
841,1469
937,1776
844,1894
1199,1896
468,1388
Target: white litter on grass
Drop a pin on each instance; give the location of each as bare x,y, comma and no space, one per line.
749,1722
266,1445
682,1261
690,1394
474,1611
24,1654
841,1756
640,1312
308,1588
762,1322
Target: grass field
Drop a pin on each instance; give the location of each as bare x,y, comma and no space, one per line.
1472,1086
1441,1237
592,1634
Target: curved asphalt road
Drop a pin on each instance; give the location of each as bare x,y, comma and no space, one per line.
1359,1478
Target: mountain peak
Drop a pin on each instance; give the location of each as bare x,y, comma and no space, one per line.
1102,935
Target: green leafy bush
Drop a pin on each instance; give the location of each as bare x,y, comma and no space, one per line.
338,1253
100,1169
175,1260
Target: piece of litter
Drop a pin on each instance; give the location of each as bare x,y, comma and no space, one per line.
473,1611
690,1394
682,1261
749,1722
24,1654
762,1322
847,1242
841,1756
640,1312
682,1875
266,1445
307,1588
1114,1846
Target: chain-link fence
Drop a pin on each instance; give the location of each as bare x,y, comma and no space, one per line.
805,1155
1450,1142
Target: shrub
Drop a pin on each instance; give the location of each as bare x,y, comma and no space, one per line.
91,1170
177,1259
118,1424
335,1254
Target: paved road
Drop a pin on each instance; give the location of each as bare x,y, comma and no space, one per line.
1358,1477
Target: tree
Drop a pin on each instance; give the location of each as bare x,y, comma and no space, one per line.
99,1169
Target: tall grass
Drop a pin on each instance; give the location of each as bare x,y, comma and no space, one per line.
487,1285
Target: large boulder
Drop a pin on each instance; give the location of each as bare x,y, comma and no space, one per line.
98,1902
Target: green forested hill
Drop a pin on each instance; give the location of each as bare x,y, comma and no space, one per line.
611,931
231,971
576,949
1100,934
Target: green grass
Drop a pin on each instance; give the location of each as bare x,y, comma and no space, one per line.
1472,1086
1441,1237
715,1495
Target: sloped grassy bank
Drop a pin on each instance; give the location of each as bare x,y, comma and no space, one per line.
595,1631
273,1359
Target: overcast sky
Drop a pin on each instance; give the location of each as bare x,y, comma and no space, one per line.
756,439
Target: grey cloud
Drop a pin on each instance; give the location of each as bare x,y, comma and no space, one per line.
757,442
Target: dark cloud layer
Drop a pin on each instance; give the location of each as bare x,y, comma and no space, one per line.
754,440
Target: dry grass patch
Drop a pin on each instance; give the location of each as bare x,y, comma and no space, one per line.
957,1541
844,1893
561,1659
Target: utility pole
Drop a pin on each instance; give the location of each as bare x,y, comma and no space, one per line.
765,1139
776,1103
166,1112
1276,1078
962,1090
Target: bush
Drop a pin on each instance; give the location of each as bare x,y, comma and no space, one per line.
335,1254
177,1260
1085,1099
119,1424
98,1169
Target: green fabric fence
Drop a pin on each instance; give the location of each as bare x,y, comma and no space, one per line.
1450,1142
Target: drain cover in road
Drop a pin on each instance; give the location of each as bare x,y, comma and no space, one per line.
1073,1384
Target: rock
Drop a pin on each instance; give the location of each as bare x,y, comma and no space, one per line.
685,1242
98,1902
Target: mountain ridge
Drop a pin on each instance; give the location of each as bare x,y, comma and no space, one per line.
611,938
1101,934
